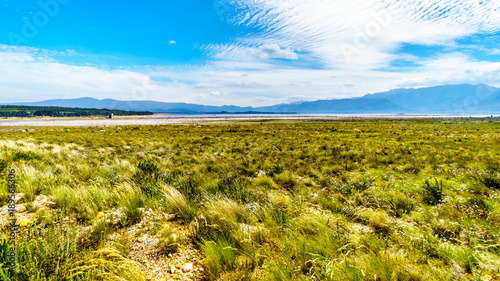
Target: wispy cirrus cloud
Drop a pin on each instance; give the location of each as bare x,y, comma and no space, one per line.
494,51
359,34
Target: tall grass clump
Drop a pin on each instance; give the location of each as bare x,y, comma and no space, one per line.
47,254
220,255
433,192
176,203
146,177
132,198
106,264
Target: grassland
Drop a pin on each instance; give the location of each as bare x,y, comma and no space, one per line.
261,200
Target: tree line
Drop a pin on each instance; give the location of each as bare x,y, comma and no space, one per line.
54,111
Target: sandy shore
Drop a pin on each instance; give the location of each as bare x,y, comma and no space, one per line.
180,120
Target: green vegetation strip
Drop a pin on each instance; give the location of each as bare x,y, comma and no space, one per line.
53,111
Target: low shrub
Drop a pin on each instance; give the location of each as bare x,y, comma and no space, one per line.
399,204
433,192
490,181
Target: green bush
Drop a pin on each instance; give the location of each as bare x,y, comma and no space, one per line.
490,181
433,192
3,165
25,156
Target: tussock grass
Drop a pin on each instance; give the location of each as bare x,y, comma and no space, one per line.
132,199
106,264
176,203
168,240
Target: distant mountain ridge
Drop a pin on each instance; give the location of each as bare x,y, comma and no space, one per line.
446,99
463,98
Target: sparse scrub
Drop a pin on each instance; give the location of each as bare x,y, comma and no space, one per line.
288,200
47,254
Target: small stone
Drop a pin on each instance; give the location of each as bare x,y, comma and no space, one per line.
172,269
19,198
20,208
43,201
486,278
187,267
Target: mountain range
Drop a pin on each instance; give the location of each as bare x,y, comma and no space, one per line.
446,99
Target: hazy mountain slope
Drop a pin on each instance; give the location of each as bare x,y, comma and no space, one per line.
464,98
154,106
356,105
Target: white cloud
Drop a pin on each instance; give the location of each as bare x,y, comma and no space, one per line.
204,85
272,51
494,52
217,93
172,42
359,34
26,74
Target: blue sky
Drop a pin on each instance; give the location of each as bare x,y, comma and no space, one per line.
243,52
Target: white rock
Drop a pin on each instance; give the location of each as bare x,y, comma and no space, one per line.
19,198
187,267
20,208
42,201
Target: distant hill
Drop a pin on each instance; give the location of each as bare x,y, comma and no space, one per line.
447,99
345,106
462,98
154,106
